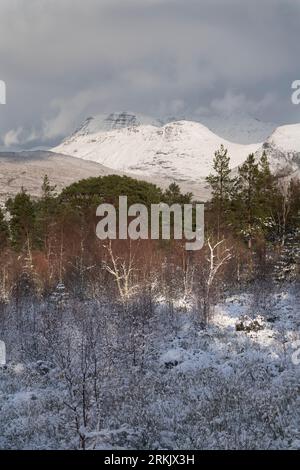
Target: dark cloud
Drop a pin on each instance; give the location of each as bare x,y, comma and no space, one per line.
65,59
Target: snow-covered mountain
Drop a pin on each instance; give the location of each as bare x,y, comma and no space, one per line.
236,127
181,150
113,121
239,127
283,148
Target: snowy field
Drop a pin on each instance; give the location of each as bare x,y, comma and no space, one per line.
163,383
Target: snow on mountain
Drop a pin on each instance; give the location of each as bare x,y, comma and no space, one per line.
26,169
112,121
239,127
181,150
283,148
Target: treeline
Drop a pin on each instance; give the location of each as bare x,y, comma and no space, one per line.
254,204
52,240
28,222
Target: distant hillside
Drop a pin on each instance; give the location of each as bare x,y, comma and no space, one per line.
27,169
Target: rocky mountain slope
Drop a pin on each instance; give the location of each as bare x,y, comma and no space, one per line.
239,127
283,149
27,169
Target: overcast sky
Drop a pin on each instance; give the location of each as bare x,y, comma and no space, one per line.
63,60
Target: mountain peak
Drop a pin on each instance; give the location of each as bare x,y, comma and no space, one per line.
180,150
114,121
283,148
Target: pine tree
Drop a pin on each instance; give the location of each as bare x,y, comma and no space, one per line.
46,210
266,185
173,195
247,196
48,191
255,194
22,222
286,208
4,231
222,185
295,203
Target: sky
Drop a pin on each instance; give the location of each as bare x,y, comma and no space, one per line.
64,60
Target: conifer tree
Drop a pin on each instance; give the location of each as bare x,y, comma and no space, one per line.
22,222
4,232
247,195
266,185
173,195
221,185
47,209
254,196
294,191
48,191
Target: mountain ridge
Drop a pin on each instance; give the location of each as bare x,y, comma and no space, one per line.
181,150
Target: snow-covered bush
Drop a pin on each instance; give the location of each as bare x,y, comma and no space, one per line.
245,323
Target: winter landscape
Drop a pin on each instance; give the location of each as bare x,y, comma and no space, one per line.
139,343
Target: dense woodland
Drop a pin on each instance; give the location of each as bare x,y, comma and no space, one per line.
83,319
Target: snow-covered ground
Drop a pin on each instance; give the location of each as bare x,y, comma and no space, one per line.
172,386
